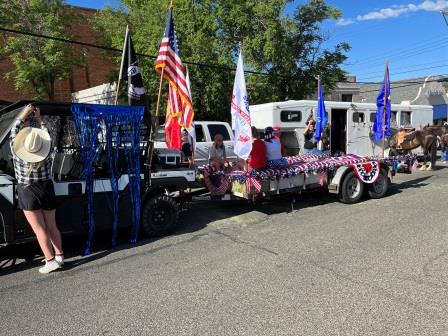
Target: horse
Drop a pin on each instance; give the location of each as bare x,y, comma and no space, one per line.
402,140
440,131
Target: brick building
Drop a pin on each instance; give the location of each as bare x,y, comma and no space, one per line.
95,71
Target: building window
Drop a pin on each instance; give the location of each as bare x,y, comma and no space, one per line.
372,117
405,119
347,98
291,116
393,119
358,117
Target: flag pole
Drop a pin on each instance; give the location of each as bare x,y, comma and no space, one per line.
384,109
318,95
121,66
156,122
117,91
315,117
189,92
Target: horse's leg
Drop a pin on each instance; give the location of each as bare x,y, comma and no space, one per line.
433,155
425,154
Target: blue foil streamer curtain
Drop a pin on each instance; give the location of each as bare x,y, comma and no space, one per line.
112,125
122,132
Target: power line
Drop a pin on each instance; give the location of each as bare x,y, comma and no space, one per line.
209,65
415,50
91,45
408,71
361,73
443,79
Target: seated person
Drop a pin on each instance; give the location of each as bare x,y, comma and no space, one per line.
258,157
277,135
310,142
217,154
273,148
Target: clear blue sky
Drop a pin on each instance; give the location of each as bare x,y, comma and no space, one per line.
410,34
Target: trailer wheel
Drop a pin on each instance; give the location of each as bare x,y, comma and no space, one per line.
352,189
159,215
379,188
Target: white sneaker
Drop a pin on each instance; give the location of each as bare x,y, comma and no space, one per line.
59,259
50,266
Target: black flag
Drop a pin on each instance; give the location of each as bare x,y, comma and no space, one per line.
130,71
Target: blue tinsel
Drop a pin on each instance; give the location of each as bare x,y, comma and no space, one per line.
122,127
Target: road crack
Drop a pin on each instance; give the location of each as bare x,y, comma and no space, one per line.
246,243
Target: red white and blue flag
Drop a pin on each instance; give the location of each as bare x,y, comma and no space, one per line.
168,59
240,113
191,130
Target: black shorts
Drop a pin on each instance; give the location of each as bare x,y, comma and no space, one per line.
36,196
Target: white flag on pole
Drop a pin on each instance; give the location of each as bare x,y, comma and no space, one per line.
240,113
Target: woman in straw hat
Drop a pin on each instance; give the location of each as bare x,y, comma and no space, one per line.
32,164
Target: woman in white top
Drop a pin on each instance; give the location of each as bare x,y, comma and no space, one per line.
273,148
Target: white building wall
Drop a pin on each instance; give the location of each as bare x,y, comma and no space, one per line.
101,94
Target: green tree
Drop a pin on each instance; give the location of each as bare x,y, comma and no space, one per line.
38,62
287,48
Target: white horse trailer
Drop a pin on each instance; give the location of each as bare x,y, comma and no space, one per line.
350,124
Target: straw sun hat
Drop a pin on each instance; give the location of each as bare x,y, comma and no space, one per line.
32,144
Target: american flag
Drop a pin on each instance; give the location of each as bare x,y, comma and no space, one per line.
172,126
168,59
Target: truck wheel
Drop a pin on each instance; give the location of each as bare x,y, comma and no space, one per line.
159,215
352,189
379,188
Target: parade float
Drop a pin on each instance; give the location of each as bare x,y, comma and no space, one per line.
347,176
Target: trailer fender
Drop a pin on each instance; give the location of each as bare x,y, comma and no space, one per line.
152,191
334,184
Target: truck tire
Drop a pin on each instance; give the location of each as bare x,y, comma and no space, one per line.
352,189
160,215
380,187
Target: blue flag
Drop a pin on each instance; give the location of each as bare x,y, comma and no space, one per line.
322,116
382,118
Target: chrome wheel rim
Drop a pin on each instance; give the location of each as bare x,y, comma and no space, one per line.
353,187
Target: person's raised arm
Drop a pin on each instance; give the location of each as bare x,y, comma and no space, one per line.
306,128
20,120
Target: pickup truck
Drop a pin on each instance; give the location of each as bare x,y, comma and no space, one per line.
205,132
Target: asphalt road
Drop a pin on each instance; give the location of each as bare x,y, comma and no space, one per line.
379,267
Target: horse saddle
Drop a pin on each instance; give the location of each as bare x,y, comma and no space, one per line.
404,135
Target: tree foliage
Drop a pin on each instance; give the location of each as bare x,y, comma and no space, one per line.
287,48
38,62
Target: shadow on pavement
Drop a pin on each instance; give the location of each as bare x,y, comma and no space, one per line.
17,258
397,188
198,215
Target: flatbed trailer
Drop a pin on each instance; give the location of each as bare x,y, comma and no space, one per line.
348,176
